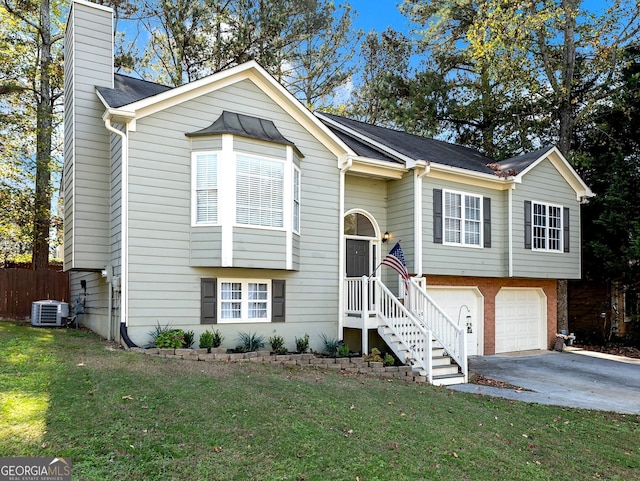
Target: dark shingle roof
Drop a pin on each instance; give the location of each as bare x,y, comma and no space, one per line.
412,146
521,162
244,125
128,90
363,149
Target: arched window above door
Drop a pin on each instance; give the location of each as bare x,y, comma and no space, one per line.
359,225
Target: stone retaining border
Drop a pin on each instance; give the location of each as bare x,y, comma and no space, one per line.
354,365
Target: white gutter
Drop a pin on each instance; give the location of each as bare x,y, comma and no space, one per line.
510,214
346,165
124,220
417,213
472,174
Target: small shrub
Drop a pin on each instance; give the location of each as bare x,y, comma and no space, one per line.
389,360
206,340
277,345
157,331
217,338
331,345
250,342
343,350
189,339
171,339
373,356
302,344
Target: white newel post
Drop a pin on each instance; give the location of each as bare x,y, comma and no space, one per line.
365,314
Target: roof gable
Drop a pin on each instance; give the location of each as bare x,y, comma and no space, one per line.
526,163
252,71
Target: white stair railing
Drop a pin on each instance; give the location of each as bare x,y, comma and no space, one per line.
410,333
450,336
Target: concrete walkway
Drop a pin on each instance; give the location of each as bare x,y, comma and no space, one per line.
573,378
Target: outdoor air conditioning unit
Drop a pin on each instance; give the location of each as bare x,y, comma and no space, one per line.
49,313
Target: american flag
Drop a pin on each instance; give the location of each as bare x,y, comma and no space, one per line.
395,260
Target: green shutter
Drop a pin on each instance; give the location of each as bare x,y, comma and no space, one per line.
209,305
486,214
437,216
527,224
565,228
278,295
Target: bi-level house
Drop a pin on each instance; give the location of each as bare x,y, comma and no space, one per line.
226,203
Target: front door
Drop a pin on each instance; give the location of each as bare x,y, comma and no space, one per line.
357,258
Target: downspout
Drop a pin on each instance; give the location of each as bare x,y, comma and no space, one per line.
510,242
417,219
341,254
124,229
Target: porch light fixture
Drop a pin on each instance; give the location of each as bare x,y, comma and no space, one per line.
385,237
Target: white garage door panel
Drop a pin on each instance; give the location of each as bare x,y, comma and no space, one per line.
451,300
520,320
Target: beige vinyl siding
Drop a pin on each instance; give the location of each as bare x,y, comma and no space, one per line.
369,195
545,184
68,147
163,285
296,252
259,248
461,260
259,148
116,203
87,159
96,314
206,245
401,218
202,144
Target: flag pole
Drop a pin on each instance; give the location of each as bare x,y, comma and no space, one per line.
376,269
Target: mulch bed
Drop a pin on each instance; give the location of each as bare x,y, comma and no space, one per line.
485,381
615,350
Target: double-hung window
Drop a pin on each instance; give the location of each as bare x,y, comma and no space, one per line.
547,227
296,200
232,188
462,219
259,191
206,188
244,300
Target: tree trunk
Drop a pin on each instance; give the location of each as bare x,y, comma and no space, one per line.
566,108
562,306
565,134
44,119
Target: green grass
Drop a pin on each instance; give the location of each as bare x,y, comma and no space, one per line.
120,415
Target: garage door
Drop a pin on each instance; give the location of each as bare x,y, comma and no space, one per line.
520,320
464,305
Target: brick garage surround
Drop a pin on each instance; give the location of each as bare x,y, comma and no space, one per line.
489,287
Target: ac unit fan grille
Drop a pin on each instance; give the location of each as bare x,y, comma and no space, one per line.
48,314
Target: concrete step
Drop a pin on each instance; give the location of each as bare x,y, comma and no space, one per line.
441,361
445,369
448,380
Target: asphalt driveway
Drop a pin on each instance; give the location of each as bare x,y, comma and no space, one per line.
574,378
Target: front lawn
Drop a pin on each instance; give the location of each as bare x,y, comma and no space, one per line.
125,416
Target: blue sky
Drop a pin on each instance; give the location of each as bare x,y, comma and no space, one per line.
378,14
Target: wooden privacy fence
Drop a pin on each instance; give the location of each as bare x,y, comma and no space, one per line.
20,287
